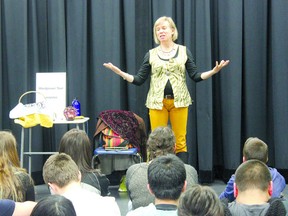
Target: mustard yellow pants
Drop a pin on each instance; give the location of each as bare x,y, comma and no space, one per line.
178,120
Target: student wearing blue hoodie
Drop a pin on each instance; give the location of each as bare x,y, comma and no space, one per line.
254,148
12,208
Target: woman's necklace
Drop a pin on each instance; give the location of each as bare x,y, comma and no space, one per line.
168,53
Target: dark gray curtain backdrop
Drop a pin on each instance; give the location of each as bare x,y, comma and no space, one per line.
248,98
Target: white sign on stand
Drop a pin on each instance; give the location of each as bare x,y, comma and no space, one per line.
53,86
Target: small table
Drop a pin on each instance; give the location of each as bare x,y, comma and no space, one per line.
76,122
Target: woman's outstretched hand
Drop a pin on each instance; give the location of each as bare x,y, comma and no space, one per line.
112,67
124,75
222,64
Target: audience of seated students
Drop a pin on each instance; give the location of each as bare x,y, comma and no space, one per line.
77,144
12,208
255,148
160,142
54,205
15,183
200,200
166,181
253,189
63,177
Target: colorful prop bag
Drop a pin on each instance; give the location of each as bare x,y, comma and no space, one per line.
126,124
113,141
32,114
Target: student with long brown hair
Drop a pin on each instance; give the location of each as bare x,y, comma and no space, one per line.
76,143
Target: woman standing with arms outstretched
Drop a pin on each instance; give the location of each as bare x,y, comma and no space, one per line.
168,97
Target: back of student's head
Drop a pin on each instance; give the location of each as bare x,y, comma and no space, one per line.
10,184
60,169
254,148
76,143
252,174
54,205
200,200
160,142
8,147
166,177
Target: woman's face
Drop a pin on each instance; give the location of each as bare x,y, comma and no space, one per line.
164,32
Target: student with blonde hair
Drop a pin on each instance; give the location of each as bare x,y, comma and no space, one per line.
15,183
63,177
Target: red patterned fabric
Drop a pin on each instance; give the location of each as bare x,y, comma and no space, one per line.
123,123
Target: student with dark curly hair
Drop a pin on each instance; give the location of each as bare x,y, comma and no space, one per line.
166,181
160,142
200,200
54,205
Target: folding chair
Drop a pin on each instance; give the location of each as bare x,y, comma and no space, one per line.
131,127
114,160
